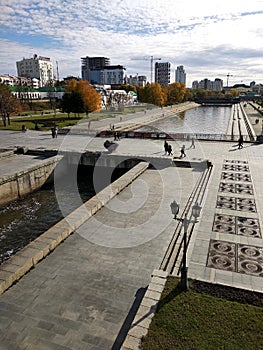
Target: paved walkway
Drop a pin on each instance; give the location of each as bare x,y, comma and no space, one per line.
84,294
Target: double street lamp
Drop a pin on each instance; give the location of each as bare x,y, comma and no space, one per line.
196,209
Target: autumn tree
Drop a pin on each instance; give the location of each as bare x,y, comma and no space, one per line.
91,99
234,92
153,94
8,104
175,93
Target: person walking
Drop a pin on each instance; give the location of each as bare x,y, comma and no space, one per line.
240,142
165,147
183,152
193,143
169,150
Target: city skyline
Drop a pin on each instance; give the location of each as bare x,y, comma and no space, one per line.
210,39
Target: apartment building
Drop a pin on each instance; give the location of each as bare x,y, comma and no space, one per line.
90,64
137,80
162,73
206,84
40,68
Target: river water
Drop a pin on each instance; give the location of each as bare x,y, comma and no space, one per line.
203,120
23,220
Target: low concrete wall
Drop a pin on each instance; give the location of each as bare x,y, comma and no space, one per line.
21,183
28,257
124,161
146,311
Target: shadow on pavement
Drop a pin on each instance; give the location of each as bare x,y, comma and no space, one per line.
129,319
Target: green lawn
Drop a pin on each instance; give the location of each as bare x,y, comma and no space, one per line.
198,320
46,120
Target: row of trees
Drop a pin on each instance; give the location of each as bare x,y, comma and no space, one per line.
160,95
81,97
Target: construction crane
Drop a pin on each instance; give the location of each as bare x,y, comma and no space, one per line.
227,76
153,59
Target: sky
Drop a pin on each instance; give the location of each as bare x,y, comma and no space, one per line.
210,38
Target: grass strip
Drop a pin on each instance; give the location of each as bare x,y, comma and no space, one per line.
206,316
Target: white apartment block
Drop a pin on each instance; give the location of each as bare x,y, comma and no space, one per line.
40,68
114,75
137,80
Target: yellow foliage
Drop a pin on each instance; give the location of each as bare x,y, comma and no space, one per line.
91,98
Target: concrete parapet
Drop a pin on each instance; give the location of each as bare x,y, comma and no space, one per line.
28,257
18,184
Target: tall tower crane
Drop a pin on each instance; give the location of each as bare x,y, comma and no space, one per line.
227,76
153,59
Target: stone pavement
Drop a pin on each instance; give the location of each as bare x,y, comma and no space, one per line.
85,294
227,247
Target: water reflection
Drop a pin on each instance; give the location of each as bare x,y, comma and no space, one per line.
203,119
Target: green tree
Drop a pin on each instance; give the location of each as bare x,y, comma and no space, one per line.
8,104
72,102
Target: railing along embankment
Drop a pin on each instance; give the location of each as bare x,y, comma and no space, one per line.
172,260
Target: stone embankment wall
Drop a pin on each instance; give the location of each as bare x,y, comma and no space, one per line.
23,182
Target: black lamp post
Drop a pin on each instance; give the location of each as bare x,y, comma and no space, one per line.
175,208
196,209
184,268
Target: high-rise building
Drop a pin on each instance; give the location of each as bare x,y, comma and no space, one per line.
162,73
206,84
180,75
218,84
40,68
89,64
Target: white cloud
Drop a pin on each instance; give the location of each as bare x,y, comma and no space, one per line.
191,33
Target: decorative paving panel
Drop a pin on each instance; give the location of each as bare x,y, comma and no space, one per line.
235,167
250,260
244,189
246,204
233,203
221,255
227,187
234,257
235,161
235,188
236,176
238,225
